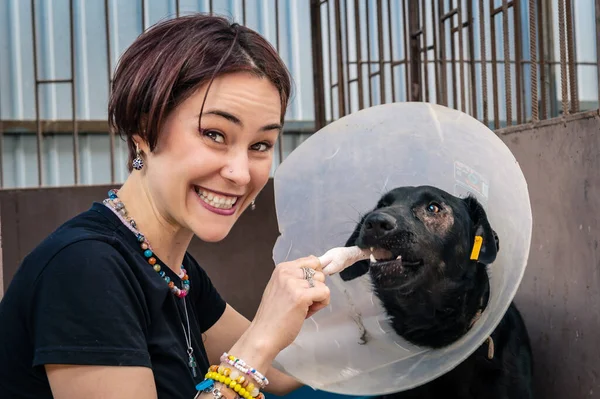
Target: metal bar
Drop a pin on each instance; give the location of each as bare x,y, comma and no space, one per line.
436,63
361,100
243,12
449,14
461,58
210,6
494,70
533,67
518,63
472,71
443,81
143,15
74,96
380,51
415,64
369,54
347,50
177,8
563,58
571,53
280,141
542,47
37,96
330,61
507,73
598,46
340,60
407,46
391,43
453,65
425,50
52,81
111,133
317,56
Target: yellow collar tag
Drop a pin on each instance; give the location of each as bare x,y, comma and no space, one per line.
476,247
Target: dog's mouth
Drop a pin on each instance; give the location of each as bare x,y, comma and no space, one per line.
392,262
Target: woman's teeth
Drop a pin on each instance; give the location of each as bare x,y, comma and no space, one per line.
217,201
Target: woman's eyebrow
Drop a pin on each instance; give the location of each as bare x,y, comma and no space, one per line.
234,119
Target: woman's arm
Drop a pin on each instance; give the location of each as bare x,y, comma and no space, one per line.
226,332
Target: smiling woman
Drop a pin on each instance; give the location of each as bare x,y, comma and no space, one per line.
111,305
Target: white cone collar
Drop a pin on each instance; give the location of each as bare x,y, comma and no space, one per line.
340,172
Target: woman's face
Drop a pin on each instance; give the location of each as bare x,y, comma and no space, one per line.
203,178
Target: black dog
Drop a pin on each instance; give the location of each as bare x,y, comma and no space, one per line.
433,285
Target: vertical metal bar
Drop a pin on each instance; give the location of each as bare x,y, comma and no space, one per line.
369,54
37,97
518,61
317,52
380,52
453,79
111,133
571,52
210,6
143,15
507,77
359,66
425,47
443,82
436,60
243,12
340,60
472,72
598,47
534,65
74,95
407,50
484,93
391,43
542,47
461,58
330,63
494,67
563,58
415,53
280,143
347,50
177,8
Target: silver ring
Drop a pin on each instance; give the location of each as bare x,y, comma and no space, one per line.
308,276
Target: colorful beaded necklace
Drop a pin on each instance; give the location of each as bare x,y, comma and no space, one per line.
114,203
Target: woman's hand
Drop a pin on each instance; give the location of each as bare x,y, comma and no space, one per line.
287,301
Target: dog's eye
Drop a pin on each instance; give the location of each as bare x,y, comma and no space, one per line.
434,208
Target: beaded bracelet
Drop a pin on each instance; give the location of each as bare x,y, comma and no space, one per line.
239,364
233,380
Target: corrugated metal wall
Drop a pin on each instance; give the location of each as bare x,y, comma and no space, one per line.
286,23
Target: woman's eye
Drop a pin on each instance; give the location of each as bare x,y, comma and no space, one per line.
215,136
434,208
261,147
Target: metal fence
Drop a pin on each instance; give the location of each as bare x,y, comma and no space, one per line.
494,59
30,42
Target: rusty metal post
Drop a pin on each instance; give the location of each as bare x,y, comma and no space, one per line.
359,63
519,86
380,51
74,95
507,74
533,55
416,83
391,48
571,54
317,52
598,48
111,133
563,58
472,72
484,93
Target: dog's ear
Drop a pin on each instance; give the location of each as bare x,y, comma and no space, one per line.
491,243
359,268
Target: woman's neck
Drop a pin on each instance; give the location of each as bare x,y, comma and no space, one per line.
168,240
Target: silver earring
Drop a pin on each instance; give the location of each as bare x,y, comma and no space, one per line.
138,162
253,205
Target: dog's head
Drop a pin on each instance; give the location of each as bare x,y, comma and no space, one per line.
421,231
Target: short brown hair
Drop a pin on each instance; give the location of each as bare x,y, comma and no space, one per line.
171,60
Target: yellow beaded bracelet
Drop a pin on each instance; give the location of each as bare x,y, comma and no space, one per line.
235,381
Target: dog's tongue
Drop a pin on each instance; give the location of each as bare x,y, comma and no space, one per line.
337,259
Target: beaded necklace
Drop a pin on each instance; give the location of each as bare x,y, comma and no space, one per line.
116,205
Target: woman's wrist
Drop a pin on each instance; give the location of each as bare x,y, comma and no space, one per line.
254,350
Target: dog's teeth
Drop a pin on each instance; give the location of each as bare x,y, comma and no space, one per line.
372,258
372,249
399,257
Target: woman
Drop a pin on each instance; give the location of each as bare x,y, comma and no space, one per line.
111,305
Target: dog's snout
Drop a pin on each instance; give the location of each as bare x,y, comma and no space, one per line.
379,224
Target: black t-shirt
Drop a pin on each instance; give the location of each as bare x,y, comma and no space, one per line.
87,295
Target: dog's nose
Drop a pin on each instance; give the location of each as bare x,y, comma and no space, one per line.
379,224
